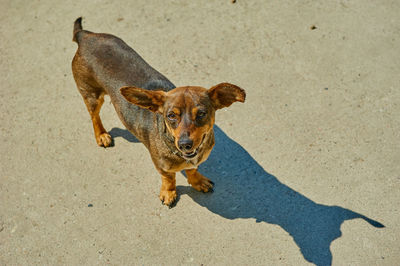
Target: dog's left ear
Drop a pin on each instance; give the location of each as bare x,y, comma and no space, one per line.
152,100
224,94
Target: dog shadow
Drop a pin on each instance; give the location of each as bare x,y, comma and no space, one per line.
245,190
118,132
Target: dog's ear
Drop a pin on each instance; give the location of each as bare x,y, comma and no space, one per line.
152,100
224,94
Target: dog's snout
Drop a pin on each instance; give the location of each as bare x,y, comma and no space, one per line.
185,144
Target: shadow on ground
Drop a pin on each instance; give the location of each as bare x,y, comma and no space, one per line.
118,132
245,190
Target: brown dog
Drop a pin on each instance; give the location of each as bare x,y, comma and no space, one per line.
175,124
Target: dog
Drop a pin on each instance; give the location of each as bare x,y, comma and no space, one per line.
174,123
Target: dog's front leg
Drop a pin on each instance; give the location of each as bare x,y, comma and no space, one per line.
168,188
198,181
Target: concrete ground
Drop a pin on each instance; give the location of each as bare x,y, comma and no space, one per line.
307,171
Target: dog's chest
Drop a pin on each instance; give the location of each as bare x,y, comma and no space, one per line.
192,164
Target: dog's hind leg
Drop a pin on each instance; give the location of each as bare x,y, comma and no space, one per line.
94,100
93,96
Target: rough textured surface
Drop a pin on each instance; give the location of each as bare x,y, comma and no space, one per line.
298,168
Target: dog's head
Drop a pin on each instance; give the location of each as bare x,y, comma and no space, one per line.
189,112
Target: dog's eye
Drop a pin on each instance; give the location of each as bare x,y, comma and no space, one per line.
171,116
201,114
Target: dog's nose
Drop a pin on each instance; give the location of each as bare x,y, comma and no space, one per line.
185,144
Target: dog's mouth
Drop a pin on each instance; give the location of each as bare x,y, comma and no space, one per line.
195,152
190,155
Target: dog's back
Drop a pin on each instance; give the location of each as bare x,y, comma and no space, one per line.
104,63
111,58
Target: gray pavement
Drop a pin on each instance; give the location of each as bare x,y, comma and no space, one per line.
307,171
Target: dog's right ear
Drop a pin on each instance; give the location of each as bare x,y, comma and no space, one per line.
152,100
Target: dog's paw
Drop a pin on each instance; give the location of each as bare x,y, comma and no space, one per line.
168,197
104,140
202,184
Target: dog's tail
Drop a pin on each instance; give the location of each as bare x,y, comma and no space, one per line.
77,29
